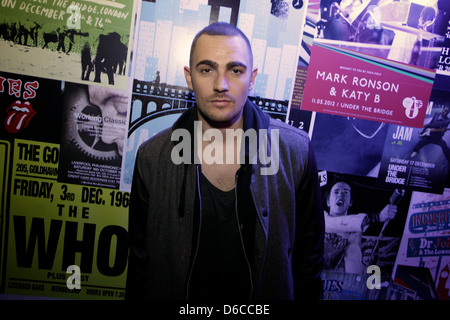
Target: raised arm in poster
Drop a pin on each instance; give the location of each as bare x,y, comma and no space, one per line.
165,30
363,227
75,41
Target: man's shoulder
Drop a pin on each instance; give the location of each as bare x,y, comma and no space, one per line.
156,143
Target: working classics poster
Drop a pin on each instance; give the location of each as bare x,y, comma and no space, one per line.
93,135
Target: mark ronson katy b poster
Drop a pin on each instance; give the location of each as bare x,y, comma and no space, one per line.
164,32
357,85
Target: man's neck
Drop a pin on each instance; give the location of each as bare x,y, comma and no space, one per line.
220,173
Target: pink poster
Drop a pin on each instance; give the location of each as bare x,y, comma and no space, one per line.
348,83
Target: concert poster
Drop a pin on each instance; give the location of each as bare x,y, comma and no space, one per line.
30,107
422,266
410,32
93,135
348,145
51,226
47,225
357,85
159,90
363,228
387,52
303,119
83,41
418,159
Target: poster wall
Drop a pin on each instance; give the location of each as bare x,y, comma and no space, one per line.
84,83
64,104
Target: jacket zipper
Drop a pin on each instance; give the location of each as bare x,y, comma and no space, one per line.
242,240
198,235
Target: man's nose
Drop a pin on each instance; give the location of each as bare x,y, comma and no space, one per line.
221,83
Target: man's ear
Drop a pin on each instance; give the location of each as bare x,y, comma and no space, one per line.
252,79
187,75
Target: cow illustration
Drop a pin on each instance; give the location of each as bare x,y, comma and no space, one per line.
111,53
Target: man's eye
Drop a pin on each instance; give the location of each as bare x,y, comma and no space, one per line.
206,70
236,71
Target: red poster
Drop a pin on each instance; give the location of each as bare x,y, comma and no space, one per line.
352,84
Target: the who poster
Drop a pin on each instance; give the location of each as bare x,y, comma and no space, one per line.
30,109
165,30
77,41
363,228
422,266
47,226
92,138
62,240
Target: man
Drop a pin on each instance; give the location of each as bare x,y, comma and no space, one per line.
344,232
202,229
433,133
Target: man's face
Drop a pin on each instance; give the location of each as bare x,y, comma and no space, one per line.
221,75
340,199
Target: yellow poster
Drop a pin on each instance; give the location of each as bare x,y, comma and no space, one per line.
64,240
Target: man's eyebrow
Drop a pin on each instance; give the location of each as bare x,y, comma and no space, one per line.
234,64
230,65
208,63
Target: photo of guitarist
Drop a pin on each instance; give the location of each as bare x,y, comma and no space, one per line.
433,133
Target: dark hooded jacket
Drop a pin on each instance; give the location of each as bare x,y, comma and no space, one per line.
280,215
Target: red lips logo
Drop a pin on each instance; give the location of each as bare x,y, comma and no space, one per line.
19,116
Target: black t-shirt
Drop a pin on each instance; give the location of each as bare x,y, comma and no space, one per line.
220,270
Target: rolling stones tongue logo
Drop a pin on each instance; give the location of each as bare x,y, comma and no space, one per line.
19,116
